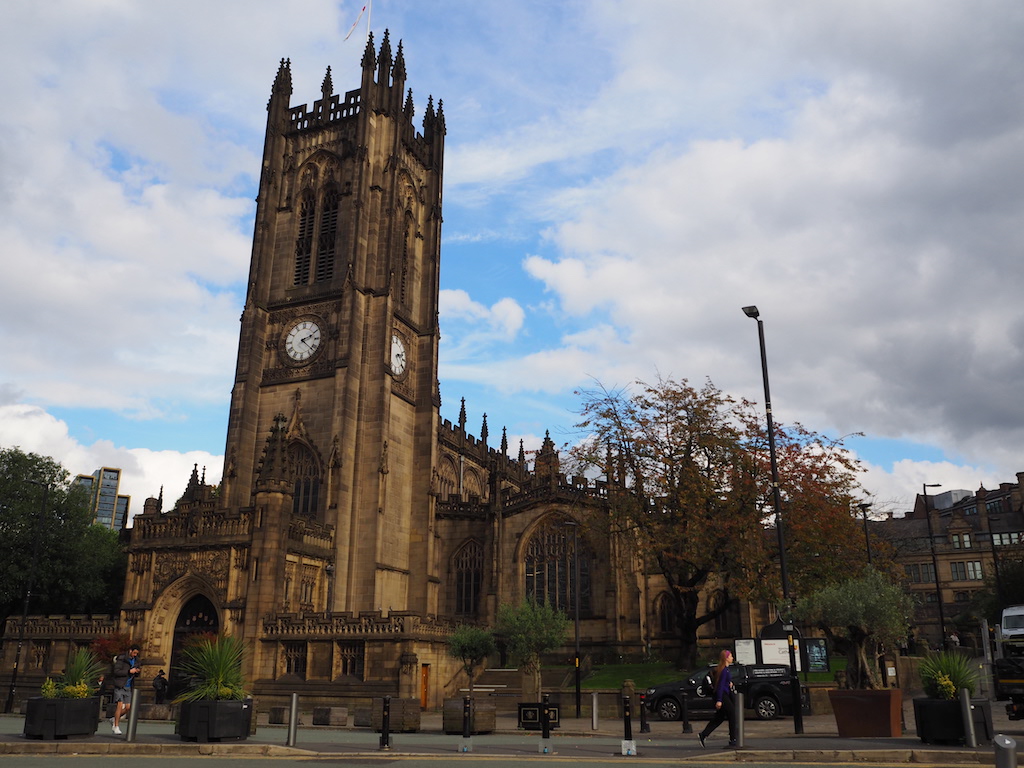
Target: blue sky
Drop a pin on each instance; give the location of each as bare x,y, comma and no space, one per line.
620,179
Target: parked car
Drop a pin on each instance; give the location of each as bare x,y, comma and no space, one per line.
765,689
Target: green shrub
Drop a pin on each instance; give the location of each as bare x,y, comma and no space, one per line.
944,674
80,679
215,669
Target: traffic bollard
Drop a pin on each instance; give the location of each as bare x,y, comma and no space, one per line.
466,742
628,744
133,714
1006,751
293,720
645,727
385,724
687,727
545,725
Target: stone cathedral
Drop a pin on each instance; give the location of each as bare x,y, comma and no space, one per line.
353,528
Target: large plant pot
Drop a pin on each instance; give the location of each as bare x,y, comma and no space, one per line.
210,720
942,722
481,716
868,713
60,718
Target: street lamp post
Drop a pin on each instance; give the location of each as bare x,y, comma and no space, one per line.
864,507
29,578
798,715
576,608
935,562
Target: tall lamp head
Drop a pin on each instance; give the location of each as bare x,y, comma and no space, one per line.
751,311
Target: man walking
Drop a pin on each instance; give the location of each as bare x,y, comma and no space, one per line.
124,673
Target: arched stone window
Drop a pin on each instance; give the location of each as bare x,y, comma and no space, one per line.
550,567
447,478
468,568
306,473
665,610
727,624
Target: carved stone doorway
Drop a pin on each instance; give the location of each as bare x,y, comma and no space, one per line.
198,616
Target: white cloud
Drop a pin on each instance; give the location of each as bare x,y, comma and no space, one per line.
144,472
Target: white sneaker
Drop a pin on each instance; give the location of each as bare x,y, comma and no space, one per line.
117,731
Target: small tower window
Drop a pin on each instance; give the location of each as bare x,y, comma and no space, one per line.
325,249
304,240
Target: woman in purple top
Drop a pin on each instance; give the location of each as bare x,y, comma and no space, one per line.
725,700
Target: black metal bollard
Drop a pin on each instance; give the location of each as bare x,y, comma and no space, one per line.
545,717
627,719
467,729
385,724
687,727
645,727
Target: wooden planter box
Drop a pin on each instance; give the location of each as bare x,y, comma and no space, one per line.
481,716
403,717
868,713
60,718
215,720
941,721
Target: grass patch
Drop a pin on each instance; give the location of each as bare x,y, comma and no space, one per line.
645,675
642,675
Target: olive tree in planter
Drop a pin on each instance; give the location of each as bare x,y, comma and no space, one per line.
70,705
470,645
861,616
216,705
530,630
939,715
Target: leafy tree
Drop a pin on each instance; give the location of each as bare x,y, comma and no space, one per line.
47,537
471,645
531,629
860,616
1008,589
690,481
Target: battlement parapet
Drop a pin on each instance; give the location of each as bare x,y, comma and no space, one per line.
54,627
342,626
204,523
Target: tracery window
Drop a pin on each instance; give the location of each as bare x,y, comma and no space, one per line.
468,566
295,659
350,660
306,473
550,568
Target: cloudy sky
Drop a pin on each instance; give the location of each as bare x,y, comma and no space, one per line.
621,177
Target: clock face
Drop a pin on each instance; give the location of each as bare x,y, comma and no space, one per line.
302,341
399,360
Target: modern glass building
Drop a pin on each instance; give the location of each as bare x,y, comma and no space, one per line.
109,507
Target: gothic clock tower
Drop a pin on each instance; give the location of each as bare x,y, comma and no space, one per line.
332,431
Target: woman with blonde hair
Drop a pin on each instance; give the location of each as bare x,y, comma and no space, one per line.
725,700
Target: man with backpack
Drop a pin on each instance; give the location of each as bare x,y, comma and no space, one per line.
125,670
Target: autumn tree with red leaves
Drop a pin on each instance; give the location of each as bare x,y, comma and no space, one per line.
690,485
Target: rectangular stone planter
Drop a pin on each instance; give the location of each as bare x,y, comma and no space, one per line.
941,721
215,720
60,718
868,713
336,716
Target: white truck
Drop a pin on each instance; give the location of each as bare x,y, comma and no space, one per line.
1009,667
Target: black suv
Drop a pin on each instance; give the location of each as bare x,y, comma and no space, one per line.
765,689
